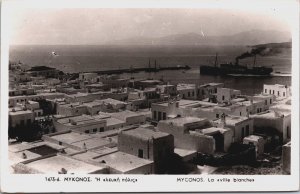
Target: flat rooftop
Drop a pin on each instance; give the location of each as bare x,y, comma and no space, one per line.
185,86
270,114
283,107
79,94
123,162
19,147
253,137
211,84
113,121
94,154
85,156
93,103
89,73
111,101
149,90
71,137
105,150
80,120
124,114
102,115
107,133
181,121
232,120
92,143
149,81
263,95
144,133
185,153
212,130
244,103
15,158
189,103
228,106
277,85
238,100
56,163
73,105
20,112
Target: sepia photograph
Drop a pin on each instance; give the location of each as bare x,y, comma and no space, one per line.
150,91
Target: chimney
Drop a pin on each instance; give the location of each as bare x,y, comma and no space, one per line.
223,120
24,156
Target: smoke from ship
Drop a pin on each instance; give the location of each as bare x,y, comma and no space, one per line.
262,51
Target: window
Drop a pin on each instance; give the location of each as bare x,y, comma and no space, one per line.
164,116
87,131
240,113
101,129
243,132
283,93
266,91
183,96
193,93
273,92
270,101
270,91
287,132
95,130
59,143
189,94
217,116
223,97
247,130
278,93
141,153
257,110
154,115
159,116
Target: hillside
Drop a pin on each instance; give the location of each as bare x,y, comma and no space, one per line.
253,37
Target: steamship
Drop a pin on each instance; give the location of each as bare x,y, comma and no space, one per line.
235,69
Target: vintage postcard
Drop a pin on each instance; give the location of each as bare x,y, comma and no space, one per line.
149,96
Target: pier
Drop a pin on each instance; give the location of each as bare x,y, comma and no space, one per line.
136,70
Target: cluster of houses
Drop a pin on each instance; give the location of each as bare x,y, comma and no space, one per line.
110,125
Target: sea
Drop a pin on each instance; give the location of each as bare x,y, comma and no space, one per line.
85,58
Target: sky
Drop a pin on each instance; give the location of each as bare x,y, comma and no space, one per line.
103,25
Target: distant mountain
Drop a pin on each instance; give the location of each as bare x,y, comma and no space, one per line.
252,37
274,45
272,49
